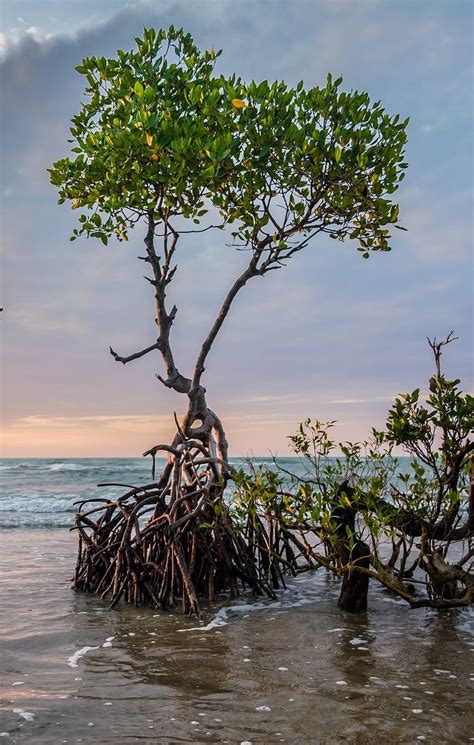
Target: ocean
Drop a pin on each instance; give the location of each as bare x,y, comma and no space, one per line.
250,671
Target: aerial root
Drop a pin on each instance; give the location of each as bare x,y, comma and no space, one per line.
173,541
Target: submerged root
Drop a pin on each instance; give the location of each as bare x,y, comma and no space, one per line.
171,541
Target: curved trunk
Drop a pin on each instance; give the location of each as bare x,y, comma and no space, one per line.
355,585
201,423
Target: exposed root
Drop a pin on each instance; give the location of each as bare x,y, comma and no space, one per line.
171,541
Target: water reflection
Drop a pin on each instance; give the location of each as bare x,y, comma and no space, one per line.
296,671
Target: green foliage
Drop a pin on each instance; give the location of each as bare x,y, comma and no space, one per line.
448,413
257,492
161,133
141,140
344,475
344,494
436,434
330,158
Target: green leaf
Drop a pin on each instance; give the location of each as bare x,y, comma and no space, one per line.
149,94
138,88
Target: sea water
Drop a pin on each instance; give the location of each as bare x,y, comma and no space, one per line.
43,493
293,670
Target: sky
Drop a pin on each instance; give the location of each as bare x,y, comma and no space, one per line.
331,336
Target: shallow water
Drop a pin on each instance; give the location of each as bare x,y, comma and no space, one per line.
295,671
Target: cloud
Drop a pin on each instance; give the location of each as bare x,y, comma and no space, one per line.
330,332
45,319
74,421
359,401
14,38
69,436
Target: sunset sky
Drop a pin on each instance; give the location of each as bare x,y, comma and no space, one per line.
331,336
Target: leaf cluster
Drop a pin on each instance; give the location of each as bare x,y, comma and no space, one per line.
160,132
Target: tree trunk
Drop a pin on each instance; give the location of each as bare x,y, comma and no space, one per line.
355,584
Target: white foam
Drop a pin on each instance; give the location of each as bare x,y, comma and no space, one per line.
28,715
262,708
357,641
221,617
73,660
65,467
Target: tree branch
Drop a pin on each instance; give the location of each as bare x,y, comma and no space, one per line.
251,271
437,347
134,356
163,274
273,261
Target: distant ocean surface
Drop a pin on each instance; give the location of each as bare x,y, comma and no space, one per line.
40,493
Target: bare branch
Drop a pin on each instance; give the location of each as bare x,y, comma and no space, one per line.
135,356
177,382
437,347
156,448
195,230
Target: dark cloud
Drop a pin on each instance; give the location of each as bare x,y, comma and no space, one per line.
329,323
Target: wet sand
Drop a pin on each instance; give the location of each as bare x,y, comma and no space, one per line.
294,671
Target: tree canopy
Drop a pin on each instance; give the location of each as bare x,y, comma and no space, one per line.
162,133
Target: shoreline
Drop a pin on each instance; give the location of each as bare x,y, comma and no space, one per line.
250,671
